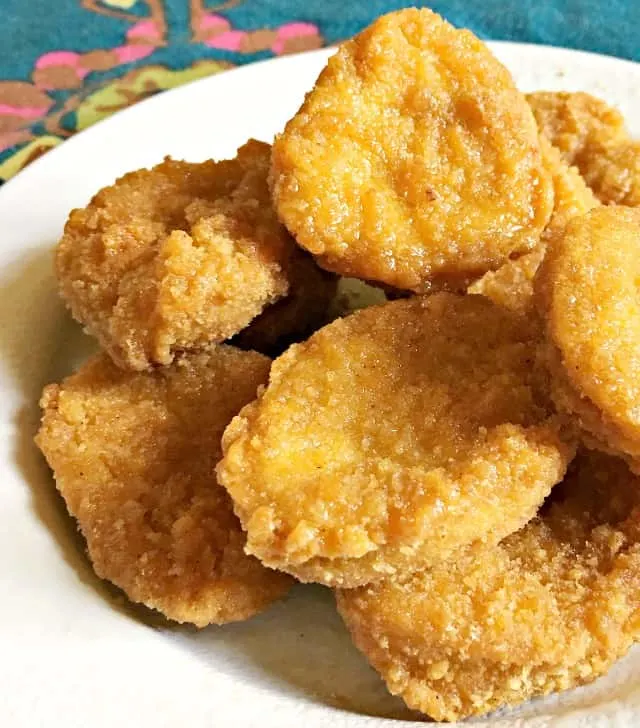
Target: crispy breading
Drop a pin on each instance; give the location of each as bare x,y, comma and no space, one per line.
586,291
134,456
393,437
613,172
549,608
512,284
592,136
177,257
414,161
575,121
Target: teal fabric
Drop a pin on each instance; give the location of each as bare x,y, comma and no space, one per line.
55,57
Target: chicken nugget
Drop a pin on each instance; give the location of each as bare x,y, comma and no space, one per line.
414,161
134,456
592,136
176,257
512,284
587,292
551,607
574,121
572,196
391,438
613,172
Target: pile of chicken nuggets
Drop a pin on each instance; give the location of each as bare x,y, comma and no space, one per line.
461,462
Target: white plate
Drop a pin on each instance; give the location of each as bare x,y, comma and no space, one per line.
71,651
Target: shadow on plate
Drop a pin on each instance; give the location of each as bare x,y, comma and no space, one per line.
39,343
30,321
301,647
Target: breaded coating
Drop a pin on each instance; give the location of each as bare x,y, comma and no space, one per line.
512,284
587,293
592,136
613,172
134,458
551,607
572,197
291,319
176,257
414,161
393,437
575,121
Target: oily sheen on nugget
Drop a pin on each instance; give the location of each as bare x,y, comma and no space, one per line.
414,160
512,284
134,456
587,292
393,437
551,607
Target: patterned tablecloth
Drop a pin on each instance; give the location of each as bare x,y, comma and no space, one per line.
66,64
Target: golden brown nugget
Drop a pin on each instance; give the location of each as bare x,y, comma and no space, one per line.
613,172
572,196
512,284
586,290
549,608
414,160
307,307
176,257
134,458
575,121
391,438
592,136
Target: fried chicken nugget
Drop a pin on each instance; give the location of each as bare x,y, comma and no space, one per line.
613,172
574,121
586,290
512,284
134,458
414,160
592,136
177,257
391,438
549,608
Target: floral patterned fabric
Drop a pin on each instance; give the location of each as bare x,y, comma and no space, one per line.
66,64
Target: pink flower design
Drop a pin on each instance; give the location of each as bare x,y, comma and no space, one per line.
130,53
230,41
145,30
211,21
219,33
58,58
24,112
